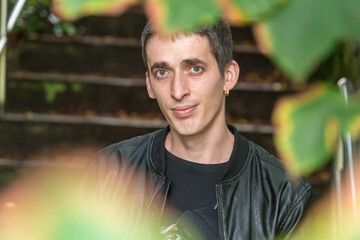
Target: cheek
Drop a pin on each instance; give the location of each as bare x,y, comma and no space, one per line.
158,90
212,100
161,98
210,90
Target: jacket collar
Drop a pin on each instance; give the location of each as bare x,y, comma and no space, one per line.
238,156
236,162
158,150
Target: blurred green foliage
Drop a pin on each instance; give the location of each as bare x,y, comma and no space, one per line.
36,16
50,89
314,121
305,32
186,15
77,87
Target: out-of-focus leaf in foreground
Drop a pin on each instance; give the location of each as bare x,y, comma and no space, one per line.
336,216
299,36
47,205
70,10
308,126
240,12
182,15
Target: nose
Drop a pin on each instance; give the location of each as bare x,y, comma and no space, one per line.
179,87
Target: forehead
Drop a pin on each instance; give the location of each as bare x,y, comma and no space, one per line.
160,48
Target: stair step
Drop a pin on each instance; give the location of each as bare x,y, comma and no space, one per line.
62,144
87,40
128,24
124,61
109,40
78,78
120,97
131,23
79,58
73,119
53,141
116,121
130,82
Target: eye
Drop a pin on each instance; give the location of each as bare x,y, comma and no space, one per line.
196,69
160,73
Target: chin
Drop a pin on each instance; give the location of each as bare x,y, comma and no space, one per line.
186,129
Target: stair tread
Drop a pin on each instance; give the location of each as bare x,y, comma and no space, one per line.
136,81
248,127
109,40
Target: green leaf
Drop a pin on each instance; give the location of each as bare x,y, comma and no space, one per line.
171,16
324,220
354,116
71,10
347,20
52,89
301,34
77,87
256,10
76,218
308,126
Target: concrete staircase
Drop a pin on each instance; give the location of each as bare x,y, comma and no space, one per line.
67,97
95,79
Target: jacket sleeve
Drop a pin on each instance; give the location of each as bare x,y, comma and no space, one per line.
91,188
295,210
107,179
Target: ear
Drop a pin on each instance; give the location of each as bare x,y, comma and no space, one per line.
232,71
148,86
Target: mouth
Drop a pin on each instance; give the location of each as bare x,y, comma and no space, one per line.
183,111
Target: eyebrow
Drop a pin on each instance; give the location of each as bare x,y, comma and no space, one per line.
190,61
193,61
159,65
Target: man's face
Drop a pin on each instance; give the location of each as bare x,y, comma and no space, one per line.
185,80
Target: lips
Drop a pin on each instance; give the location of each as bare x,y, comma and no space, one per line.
183,111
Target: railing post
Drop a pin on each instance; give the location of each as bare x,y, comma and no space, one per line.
344,163
3,31
347,89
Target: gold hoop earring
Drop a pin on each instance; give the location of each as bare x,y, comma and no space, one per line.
226,93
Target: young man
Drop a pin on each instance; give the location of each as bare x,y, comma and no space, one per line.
227,186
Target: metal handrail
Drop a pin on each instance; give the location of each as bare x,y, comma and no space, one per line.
2,53
6,28
346,89
344,162
11,23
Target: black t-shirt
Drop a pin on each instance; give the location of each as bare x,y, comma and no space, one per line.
193,192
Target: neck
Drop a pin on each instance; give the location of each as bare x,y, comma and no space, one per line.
209,147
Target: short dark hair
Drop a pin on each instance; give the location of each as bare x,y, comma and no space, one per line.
219,36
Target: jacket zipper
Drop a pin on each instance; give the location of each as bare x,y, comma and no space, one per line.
218,206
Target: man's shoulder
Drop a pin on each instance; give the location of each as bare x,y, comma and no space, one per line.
265,158
293,193
126,150
131,143
274,169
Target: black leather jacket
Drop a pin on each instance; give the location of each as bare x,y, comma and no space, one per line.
256,199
